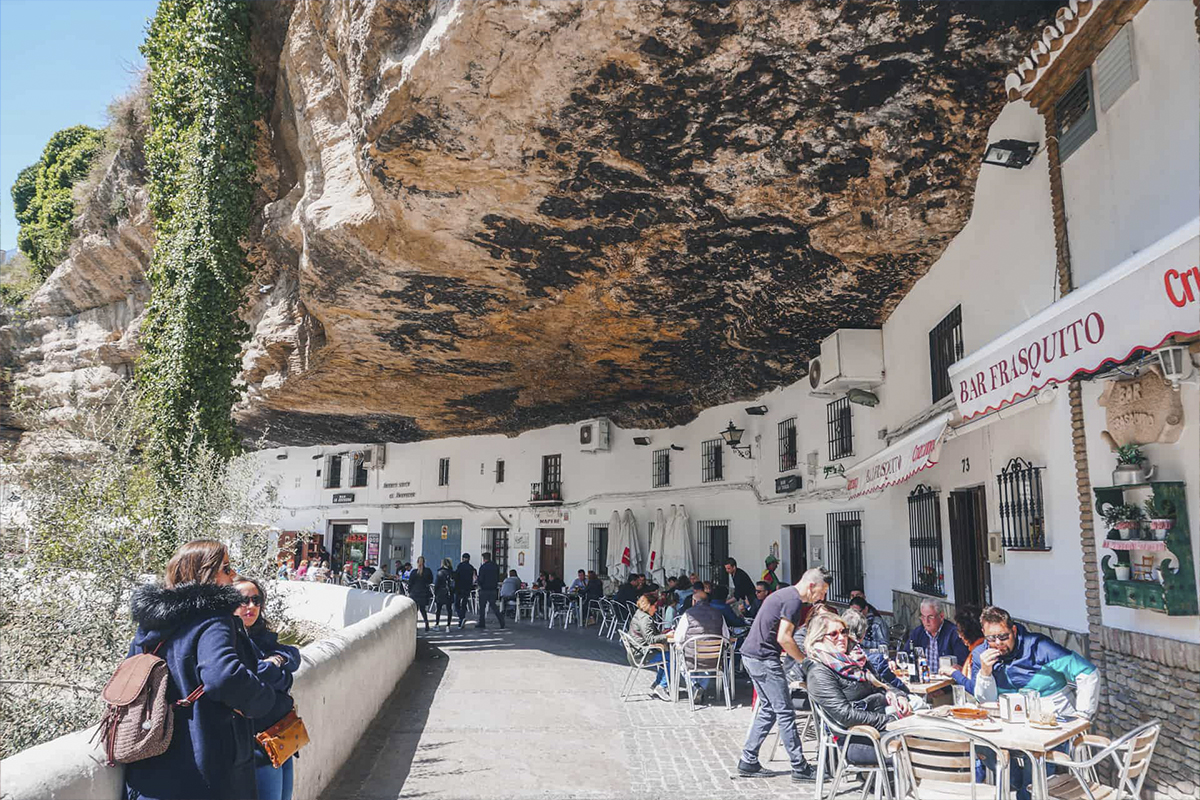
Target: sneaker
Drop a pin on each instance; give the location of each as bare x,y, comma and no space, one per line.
461,622
807,772
747,769
661,693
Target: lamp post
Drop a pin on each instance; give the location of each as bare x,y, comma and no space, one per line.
733,437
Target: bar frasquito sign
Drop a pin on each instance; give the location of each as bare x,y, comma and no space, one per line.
900,461
1138,304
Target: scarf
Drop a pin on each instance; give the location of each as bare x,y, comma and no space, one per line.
851,665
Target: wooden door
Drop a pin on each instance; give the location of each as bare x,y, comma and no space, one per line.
441,538
968,547
551,558
797,552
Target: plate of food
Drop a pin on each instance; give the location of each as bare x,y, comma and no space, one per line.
984,726
968,712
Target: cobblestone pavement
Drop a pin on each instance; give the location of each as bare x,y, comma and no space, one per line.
527,712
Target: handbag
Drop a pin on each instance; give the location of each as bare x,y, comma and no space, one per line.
281,741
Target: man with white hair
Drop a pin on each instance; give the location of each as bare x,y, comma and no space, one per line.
936,636
769,638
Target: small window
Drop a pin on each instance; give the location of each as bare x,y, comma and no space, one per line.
598,548
496,542
499,470
945,347
360,471
712,467
662,468
787,445
925,541
844,554
1075,116
444,472
841,429
333,472
1022,508
712,536
552,474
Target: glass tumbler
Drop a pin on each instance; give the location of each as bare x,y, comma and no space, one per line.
960,695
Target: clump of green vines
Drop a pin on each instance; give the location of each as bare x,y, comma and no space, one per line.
42,199
203,109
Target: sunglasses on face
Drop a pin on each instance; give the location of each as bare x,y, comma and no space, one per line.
836,634
252,600
998,637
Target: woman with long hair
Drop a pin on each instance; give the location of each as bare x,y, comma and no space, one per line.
420,582
645,633
188,621
276,664
443,593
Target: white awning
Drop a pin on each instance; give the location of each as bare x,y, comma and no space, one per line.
1138,304
899,461
496,520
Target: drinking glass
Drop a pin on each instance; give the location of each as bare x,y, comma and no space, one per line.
960,695
902,660
947,662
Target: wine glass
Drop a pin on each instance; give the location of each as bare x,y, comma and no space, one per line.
902,661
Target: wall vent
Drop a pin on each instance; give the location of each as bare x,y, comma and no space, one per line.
1115,69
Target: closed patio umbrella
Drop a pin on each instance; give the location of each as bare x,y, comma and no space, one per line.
620,554
678,556
637,560
657,537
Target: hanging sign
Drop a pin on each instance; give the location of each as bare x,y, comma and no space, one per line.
373,548
895,464
787,483
343,497
1138,304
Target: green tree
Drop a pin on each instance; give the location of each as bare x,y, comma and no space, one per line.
203,109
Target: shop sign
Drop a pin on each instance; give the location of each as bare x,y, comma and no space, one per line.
343,497
917,451
1138,304
373,547
555,516
788,483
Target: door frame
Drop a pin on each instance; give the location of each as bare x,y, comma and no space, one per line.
793,555
968,548
561,545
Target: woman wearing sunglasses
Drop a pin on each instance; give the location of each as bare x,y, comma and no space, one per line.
188,621
276,663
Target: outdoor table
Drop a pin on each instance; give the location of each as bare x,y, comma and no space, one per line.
933,691
579,599
1033,742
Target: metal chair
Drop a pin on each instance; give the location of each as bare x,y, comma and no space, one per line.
632,609
637,662
621,617
804,720
608,617
937,762
1130,756
703,658
560,606
524,603
830,752
388,586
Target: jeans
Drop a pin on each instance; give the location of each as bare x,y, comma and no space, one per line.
274,784
663,659
1020,771
774,707
488,597
460,605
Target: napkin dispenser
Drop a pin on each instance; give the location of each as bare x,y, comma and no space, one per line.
1013,707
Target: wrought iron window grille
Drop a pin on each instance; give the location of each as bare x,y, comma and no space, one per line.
495,541
845,553
1022,506
840,422
662,468
598,548
945,347
712,536
712,466
925,541
444,472
499,470
788,446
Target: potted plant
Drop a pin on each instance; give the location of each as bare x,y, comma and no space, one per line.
1125,518
1130,469
1161,513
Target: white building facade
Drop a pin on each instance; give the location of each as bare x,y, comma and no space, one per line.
1127,187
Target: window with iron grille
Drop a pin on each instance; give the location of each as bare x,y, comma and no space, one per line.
841,429
495,541
552,474
662,468
787,445
444,472
844,556
598,548
1022,510
333,472
712,467
360,471
945,347
499,470
925,541
712,536
1075,116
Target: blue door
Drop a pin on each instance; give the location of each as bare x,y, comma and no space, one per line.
441,538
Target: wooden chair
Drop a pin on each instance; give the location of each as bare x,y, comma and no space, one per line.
1130,756
937,762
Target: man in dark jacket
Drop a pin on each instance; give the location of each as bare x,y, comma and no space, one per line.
936,636
489,586
629,591
739,583
464,582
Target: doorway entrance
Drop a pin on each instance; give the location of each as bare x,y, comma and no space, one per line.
349,544
441,538
551,556
968,547
797,552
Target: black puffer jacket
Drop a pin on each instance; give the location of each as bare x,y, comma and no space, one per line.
846,702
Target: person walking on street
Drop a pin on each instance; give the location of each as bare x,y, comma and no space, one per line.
464,582
443,589
489,588
419,582
770,636
188,621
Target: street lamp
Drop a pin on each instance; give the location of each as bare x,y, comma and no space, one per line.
733,437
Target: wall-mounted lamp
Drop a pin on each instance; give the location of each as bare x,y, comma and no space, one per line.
862,397
1011,153
733,437
641,440
318,455
1175,362
676,447
281,457
756,411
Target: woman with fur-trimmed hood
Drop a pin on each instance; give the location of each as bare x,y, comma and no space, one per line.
188,621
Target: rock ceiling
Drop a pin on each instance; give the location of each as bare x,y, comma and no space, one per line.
489,217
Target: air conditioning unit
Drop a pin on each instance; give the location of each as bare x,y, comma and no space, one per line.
378,456
851,358
593,436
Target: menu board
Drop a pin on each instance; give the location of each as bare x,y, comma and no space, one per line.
373,548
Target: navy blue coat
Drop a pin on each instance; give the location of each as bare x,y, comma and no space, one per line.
489,576
212,748
949,643
464,578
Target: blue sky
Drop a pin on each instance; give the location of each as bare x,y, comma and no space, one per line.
61,64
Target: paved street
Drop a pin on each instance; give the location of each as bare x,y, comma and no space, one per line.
526,712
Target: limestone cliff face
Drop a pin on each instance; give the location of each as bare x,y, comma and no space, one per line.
491,216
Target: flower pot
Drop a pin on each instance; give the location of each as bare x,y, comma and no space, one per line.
1125,528
1160,527
1122,571
1126,474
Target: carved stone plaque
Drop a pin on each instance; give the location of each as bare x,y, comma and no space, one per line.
1141,410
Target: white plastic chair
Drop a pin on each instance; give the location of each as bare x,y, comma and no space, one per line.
637,662
703,658
937,762
1130,756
